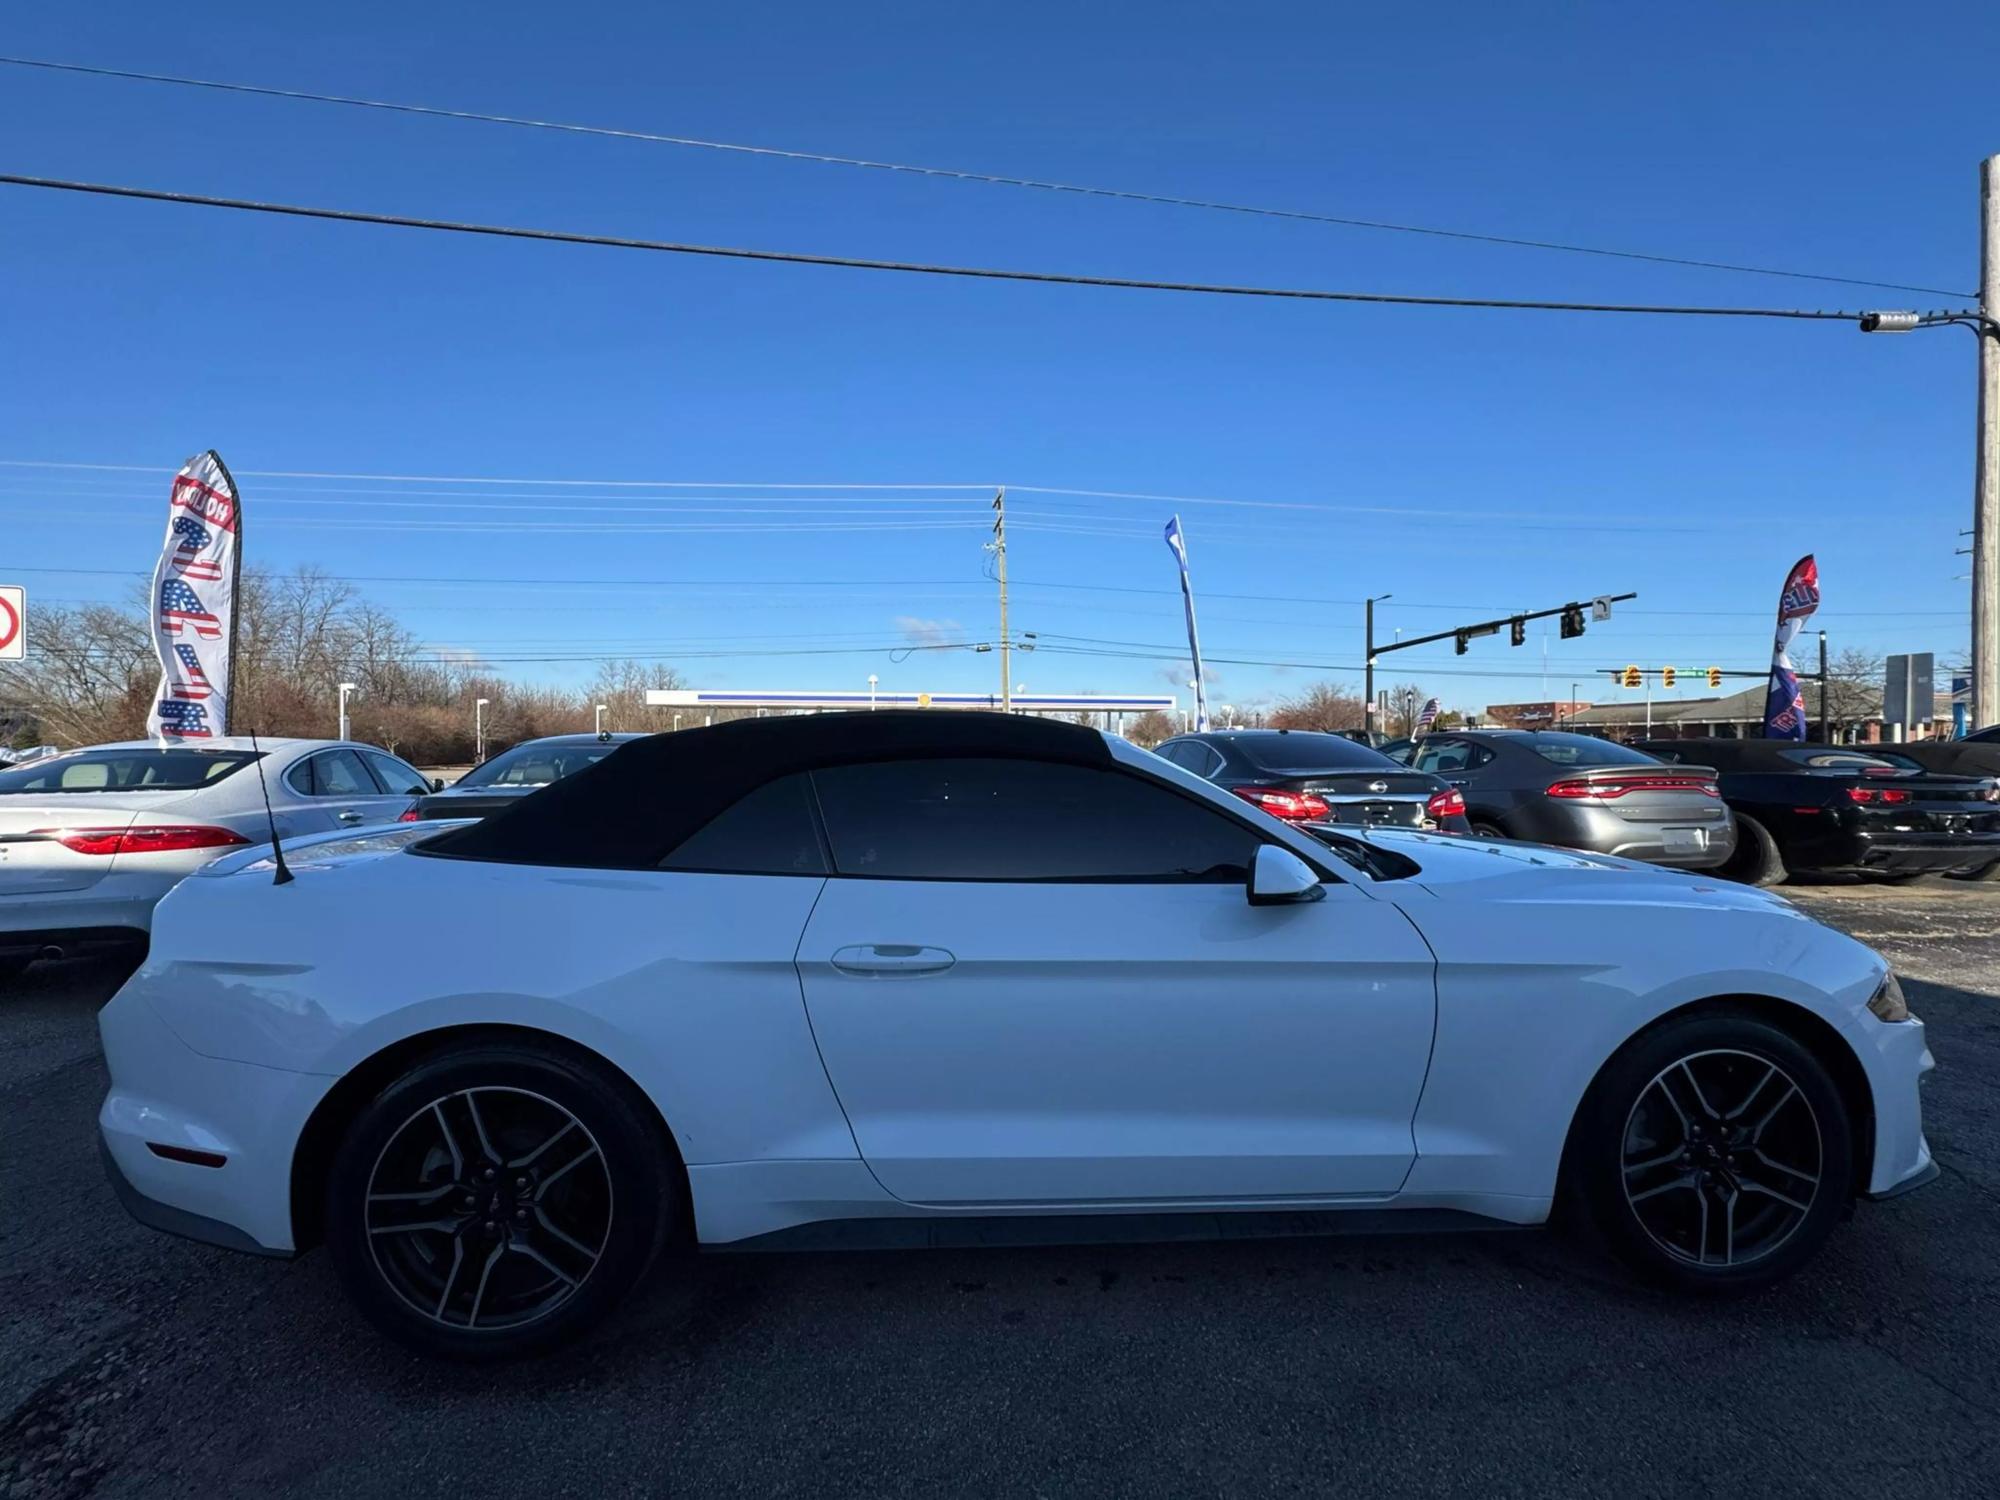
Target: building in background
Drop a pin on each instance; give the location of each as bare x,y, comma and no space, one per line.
1856,717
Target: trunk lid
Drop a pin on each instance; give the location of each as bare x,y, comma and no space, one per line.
34,864
1684,796
1390,796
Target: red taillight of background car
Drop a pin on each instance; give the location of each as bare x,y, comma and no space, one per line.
1293,807
1868,794
410,815
1604,791
143,838
1449,803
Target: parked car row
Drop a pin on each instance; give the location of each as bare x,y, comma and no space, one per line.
91,839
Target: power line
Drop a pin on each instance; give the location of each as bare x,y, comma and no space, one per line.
913,268
954,174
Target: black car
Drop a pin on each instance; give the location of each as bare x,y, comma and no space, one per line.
512,774
1975,755
1306,777
1835,809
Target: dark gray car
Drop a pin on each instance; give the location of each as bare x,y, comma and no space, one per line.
1548,787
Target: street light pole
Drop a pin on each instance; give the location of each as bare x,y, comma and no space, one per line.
872,680
479,730
600,717
345,689
1368,669
1825,738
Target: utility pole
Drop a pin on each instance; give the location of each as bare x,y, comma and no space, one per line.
1000,572
1824,737
1986,469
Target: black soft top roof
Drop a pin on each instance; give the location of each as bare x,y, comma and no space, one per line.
637,804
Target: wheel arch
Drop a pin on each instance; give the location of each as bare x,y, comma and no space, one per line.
1811,1031
312,1157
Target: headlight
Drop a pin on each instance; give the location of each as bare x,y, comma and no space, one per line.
1888,1002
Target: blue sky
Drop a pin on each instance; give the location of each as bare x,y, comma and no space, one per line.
1470,463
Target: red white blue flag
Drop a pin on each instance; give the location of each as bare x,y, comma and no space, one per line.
1784,704
194,603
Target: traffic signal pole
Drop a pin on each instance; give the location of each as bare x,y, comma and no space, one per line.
1986,462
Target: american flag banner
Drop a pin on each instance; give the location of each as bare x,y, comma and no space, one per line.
1427,716
194,602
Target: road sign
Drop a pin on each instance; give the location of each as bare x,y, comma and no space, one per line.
1907,695
1600,607
13,622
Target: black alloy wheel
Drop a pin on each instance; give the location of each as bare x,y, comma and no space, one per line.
498,1200
1714,1152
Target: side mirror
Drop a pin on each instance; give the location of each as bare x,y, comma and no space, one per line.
1279,877
437,783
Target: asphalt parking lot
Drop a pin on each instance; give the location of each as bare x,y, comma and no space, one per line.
1502,1363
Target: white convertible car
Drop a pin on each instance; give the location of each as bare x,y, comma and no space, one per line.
850,977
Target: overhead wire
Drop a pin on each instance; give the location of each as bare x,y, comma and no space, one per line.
959,175
914,268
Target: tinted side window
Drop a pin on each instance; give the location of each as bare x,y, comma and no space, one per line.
1021,820
1443,755
336,773
769,832
398,778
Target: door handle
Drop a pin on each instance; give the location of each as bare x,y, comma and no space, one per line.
349,815
892,958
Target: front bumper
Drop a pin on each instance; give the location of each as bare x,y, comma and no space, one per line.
1896,1057
165,1093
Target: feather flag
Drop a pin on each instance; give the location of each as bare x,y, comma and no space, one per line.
194,603
1784,704
1177,543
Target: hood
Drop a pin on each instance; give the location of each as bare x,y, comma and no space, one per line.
1460,868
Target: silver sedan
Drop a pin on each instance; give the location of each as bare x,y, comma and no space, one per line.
91,839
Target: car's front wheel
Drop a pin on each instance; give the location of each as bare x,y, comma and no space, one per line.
498,1199
1714,1153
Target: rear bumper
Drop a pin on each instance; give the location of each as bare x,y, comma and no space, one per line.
177,1221
118,900
1600,831
1909,853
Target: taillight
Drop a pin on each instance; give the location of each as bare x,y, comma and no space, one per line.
1866,794
410,815
1449,803
1293,807
1606,790
144,838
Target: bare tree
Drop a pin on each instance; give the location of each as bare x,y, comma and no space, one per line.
1853,690
1326,706
1149,728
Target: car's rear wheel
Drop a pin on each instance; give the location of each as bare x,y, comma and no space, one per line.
1482,828
1714,1153
498,1199
1756,859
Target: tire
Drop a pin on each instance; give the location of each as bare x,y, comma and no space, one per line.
511,1160
1756,860
1723,1204
1483,828
1985,872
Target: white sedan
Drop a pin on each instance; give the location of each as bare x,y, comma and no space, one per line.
851,977
91,839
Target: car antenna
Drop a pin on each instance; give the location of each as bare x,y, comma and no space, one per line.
284,874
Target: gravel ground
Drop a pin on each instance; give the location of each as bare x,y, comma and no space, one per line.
1480,1363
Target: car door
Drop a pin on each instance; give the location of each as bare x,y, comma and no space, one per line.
335,791
1037,983
1459,762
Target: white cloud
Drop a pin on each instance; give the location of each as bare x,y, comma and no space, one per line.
921,632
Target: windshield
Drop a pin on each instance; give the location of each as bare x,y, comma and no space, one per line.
1308,752
136,770
1585,750
537,763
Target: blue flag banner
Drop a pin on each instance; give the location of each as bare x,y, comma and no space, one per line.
1784,704
1177,543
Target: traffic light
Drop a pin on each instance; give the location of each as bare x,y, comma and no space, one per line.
1517,631
1666,677
1715,677
1572,622
1458,642
1629,677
